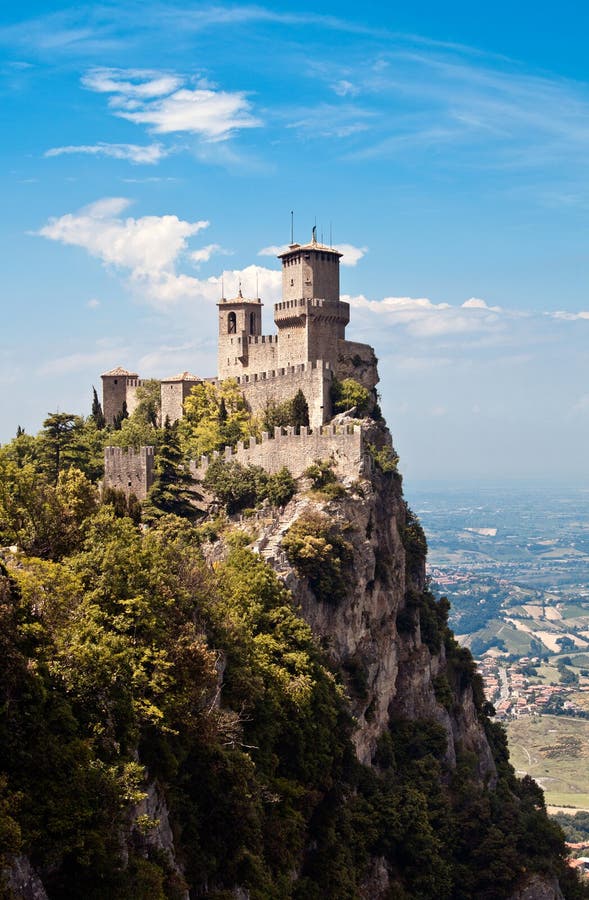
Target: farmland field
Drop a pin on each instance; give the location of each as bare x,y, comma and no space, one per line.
554,750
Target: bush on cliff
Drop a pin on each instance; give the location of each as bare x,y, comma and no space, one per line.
319,552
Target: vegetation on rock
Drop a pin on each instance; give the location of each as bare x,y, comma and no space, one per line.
129,659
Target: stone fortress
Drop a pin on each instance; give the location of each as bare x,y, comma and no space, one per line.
308,351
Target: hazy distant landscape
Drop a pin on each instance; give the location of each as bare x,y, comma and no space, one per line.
514,563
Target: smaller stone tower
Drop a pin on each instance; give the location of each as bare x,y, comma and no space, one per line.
114,392
239,320
174,391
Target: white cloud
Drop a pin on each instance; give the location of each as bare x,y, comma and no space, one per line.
212,114
139,83
166,105
352,255
477,303
149,246
93,303
273,250
205,253
425,319
569,316
345,88
150,154
150,249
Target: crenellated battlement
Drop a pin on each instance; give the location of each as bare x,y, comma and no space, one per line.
262,339
132,471
316,365
128,470
297,450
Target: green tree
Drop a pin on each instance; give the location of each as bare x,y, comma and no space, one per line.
97,413
350,394
300,409
234,485
56,438
120,416
148,409
173,488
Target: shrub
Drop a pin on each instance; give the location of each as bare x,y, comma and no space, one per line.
384,458
240,487
348,394
324,479
234,485
281,487
319,552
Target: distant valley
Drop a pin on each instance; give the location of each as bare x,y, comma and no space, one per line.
514,564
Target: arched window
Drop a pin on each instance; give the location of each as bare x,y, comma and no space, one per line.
231,323
252,323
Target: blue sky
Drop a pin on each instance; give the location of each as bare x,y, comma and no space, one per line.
148,148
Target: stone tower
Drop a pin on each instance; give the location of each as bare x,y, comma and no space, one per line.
311,318
115,392
240,320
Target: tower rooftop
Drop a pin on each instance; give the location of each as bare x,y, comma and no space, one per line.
120,371
239,299
312,245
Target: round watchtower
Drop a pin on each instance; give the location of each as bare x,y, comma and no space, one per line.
239,320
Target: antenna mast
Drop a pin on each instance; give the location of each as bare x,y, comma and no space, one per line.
292,226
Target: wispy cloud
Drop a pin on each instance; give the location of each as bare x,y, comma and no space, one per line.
150,154
140,84
565,316
205,253
164,103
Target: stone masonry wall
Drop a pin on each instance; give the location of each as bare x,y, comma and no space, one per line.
276,386
262,352
130,471
343,444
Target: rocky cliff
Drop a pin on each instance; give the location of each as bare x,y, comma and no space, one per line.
360,634
264,707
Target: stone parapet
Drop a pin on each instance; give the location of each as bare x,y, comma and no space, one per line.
297,450
130,471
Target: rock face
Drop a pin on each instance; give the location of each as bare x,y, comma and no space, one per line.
396,670
153,809
22,881
539,887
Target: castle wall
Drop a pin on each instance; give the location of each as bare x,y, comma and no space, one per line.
313,379
263,352
344,444
130,470
131,394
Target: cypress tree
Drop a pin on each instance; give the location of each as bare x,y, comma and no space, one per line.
97,413
299,409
